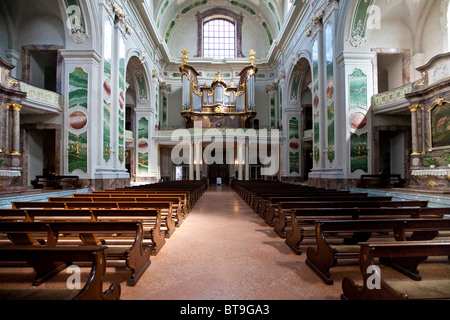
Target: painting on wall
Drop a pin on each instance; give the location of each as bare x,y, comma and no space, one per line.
294,144
77,152
359,156
78,88
164,111
316,129
293,129
331,135
329,50
142,163
272,112
121,98
358,90
439,116
142,86
143,128
107,59
315,58
295,86
294,162
142,147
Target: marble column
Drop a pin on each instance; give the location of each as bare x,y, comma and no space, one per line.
191,162
8,127
198,160
240,159
414,136
420,130
247,163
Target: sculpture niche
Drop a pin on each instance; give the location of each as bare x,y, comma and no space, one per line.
218,106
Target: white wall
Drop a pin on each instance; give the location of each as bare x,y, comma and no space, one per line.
35,154
397,143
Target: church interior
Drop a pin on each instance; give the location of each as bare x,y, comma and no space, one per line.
238,150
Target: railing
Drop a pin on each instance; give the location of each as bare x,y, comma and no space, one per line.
308,134
41,95
391,96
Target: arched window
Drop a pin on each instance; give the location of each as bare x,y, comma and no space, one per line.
219,39
219,34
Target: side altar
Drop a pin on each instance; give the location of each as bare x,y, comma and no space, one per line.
218,105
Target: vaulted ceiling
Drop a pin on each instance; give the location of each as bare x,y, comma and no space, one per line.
263,20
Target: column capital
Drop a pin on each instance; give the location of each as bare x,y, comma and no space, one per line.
17,107
413,108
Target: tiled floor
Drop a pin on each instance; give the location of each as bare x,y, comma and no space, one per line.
225,251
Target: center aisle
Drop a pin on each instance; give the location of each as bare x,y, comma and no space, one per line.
224,251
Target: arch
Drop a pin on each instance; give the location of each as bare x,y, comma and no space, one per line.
302,55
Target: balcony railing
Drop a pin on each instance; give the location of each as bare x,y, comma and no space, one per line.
391,96
38,98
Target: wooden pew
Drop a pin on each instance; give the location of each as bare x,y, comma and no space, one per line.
41,257
260,203
130,235
273,206
179,201
260,198
437,289
327,252
304,219
151,219
173,202
285,208
169,223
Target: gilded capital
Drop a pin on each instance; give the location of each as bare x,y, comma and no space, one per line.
413,108
17,107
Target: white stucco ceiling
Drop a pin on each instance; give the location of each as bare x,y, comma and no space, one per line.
265,17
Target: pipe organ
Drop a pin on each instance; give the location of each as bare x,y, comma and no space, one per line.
218,105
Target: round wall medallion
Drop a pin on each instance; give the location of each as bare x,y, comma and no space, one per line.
107,89
316,101
330,91
143,145
358,120
78,120
122,100
294,145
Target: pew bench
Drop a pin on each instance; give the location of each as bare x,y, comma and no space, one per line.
304,220
261,201
381,181
124,239
282,204
327,252
285,208
169,223
396,289
42,258
178,202
151,219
